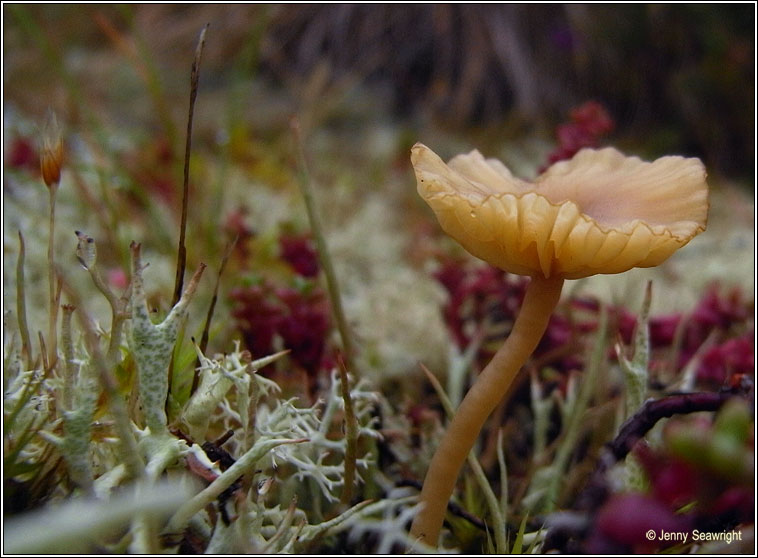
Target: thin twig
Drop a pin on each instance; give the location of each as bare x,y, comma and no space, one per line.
206,328
653,411
351,436
214,299
351,427
323,251
181,258
181,252
567,527
638,425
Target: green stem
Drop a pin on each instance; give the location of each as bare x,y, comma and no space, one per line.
493,383
541,409
503,475
52,340
323,252
26,343
351,428
574,427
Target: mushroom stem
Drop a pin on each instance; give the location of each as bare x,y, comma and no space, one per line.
489,389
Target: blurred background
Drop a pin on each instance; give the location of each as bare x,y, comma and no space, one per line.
675,78
528,84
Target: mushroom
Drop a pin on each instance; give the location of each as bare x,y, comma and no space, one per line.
599,212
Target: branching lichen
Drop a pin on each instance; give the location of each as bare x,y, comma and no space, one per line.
153,345
86,253
216,378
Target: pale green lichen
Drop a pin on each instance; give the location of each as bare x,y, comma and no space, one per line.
217,377
299,449
635,383
636,368
543,493
80,392
86,254
153,345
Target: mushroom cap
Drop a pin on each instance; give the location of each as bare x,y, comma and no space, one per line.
599,212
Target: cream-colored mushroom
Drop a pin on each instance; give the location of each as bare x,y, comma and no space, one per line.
600,212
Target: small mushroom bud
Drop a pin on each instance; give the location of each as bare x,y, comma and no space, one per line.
51,152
